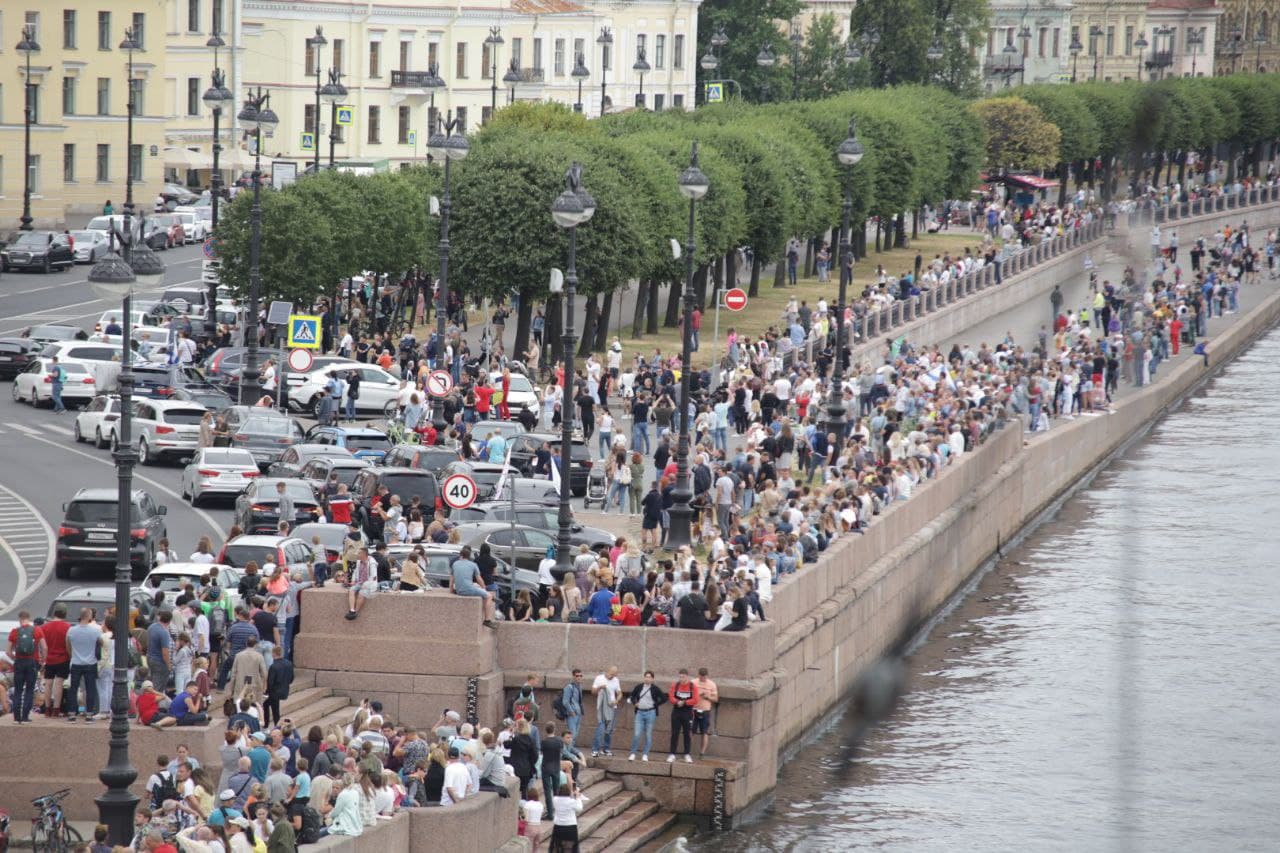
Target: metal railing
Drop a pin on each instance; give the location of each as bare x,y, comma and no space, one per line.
410,79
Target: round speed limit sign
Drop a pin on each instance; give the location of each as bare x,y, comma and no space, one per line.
459,491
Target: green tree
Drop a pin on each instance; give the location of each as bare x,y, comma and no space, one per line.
895,36
823,70
749,24
1018,135
1063,106
298,259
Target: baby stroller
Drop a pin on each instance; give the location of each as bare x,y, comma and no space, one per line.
597,487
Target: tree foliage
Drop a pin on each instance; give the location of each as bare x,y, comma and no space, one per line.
1018,135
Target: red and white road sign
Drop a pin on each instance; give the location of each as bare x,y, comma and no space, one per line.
735,299
439,383
459,491
300,360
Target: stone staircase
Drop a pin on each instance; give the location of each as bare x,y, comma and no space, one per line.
309,705
613,818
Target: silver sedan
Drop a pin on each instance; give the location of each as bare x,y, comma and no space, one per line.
217,471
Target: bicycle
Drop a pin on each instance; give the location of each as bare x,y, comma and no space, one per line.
49,830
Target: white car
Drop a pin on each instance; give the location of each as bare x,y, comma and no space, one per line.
217,471
523,394
95,419
192,228
162,429
138,321
378,388
170,578
90,245
35,384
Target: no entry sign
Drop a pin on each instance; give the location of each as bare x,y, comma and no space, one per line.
459,491
439,383
735,299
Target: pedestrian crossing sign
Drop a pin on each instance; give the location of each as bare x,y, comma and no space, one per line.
715,93
413,138
304,331
308,142
345,116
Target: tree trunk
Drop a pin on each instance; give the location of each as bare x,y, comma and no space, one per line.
780,272
602,322
673,304
651,321
879,223
551,342
1062,185
900,231
753,289
589,326
642,305
701,277
524,318
915,224
730,269
1233,154
860,240
808,258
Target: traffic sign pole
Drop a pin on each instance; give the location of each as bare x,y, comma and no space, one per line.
715,337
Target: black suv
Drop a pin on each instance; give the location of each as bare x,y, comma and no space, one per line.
39,250
87,535
403,482
16,354
536,515
524,450
423,456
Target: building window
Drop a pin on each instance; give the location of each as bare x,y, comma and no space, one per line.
1128,40
135,162
517,52
640,44
375,59
139,101
68,164
658,100
104,164
217,16
486,113
433,53
104,96
1042,42
1057,41
68,96
460,69
140,30
659,52
193,16
677,102
32,20
405,48
104,31
462,119
309,118
375,125
486,58
402,132
558,59
537,54
337,54
1111,41
193,96
69,29
677,55
310,60
33,170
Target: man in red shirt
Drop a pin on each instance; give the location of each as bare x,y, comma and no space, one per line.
684,698
484,393
57,665
27,648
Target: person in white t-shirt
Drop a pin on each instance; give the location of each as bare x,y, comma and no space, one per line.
456,780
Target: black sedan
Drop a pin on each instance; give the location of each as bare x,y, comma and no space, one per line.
16,354
524,451
258,506
39,250
521,546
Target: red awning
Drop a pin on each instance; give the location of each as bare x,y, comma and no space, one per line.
1032,182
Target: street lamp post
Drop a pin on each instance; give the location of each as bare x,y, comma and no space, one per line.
1095,32
434,81
1010,50
1141,45
693,186
848,154
766,60
258,118
1025,35
449,147
641,67
1075,48
1237,48
1194,39
316,42
605,40
215,98
572,208
494,40
512,79
332,94
28,46
579,73
1259,40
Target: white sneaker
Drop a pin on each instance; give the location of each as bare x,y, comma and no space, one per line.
671,759
631,757
594,753
644,757
688,759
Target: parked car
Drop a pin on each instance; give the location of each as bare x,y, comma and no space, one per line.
522,547
258,506
93,422
193,229
189,301
38,250
224,362
485,475
212,398
536,515
424,456
293,460
317,471
87,535
98,599
378,388
138,320
175,234
523,395
406,483
35,384
171,578
15,355
288,551
175,194
217,471
333,537
90,246
265,433
362,443
524,448
46,333
162,429
507,429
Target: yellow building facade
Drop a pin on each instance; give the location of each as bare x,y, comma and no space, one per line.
79,91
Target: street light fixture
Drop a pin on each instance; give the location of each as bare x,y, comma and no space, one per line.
641,66
572,208
511,78
1141,44
434,81
258,118
605,40
934,53
1195,39
766,60
708,62
1075,49
852,51
444,145
580,72
693,185
333,93
28,46
1095,32
494,40
316,42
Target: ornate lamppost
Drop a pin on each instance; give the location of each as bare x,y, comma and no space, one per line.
258,118
444,145
28,46
848,154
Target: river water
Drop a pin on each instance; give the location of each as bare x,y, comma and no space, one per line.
1113,683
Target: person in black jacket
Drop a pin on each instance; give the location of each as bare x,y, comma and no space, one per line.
645,697
524,756
279,677
552,749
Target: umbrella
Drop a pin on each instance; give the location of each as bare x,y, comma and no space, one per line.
185,158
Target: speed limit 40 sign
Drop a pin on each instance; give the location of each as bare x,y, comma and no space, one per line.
459,491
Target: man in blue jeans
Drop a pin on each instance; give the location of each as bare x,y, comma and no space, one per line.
608,692
58,376
571,700
28,649
645,698
83,640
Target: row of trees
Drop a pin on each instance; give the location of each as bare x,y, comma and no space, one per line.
773,175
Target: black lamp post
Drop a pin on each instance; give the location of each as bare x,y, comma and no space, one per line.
215,98
1258,41
512,79
640,66
848,154
444,145
1195,39
605,40
766,60
332,94
797,41
28,46
1095,32
115,276
572,208
1010,51
693,186
494,40
258,118
579,73
1075,48
1236,50
1141,44
434,81
315,42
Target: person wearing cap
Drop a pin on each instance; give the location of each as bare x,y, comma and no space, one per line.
259,756
240,836
225,810
456,779
446,728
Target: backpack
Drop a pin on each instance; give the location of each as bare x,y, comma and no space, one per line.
166,790
26,645
557,705
310,831
217,621
624,475
525,707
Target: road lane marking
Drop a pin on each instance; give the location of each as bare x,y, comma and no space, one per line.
25,584
52,314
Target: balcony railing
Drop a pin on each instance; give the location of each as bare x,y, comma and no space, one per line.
532,75
409,79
